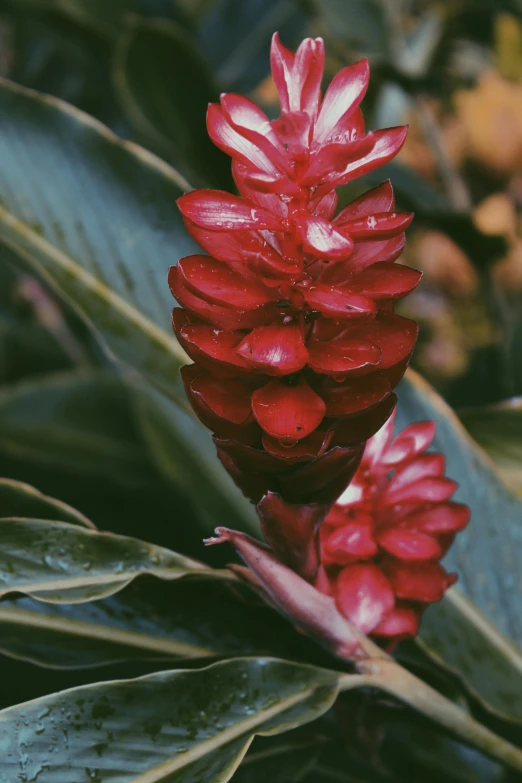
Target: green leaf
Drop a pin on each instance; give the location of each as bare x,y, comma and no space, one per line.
59,562
98,217
21,500
183,451
101,16
151,63
185,726
498,429
455,634
235,38
485,555
80,422
150,620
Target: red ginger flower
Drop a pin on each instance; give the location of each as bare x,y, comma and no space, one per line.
382,542
290,318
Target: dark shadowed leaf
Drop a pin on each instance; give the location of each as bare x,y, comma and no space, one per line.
106,17
21,500
80,422
485,555
183,451
235,38
35,335
188,726
59,562
149,620
98,216
167,108
458,636
498,429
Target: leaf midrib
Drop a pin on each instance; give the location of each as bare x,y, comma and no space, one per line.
92,284
104,633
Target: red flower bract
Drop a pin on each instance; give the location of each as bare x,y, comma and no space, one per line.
289,319
382,541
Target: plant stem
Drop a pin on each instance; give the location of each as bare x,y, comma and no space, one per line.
389,676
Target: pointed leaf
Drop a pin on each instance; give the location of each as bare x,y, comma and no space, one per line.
111,254
185,726
59,562
21,500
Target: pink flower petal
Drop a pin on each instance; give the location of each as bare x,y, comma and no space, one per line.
381,225
349,543
345,92
343,358
411,441
409,544
337,302
352,397
443,518
401,623
388,142
288,413
424,582
298,77
223,317
364,254
379,199
252,123
233,143
386,281
219,284
274,350
321,239
335,157
363,595
221,211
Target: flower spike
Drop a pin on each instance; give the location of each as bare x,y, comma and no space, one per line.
289,319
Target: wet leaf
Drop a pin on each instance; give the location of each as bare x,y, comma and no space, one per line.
498,429
60,562
21,500
98,217
485,557
151,62
185,726
149,620
455,634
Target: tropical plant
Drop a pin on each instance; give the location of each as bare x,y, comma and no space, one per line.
334,647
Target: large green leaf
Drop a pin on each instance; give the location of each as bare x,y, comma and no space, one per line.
21,500
80,422
152,60
152,620
183,451
188,726
486,556
498,429
98,216
455,634
59,562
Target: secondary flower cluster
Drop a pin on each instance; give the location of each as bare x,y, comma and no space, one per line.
289,319
382,542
